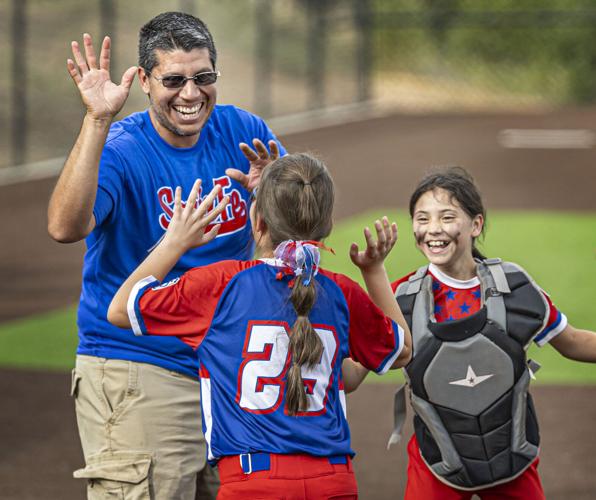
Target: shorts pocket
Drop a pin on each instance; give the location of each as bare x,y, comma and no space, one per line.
74,383
117,475
118,387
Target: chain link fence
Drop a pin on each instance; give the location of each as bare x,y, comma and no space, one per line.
282,57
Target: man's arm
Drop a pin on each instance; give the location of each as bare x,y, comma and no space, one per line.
70,211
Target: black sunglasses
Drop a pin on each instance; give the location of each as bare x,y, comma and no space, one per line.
179,81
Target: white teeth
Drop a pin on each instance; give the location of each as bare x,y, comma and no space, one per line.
187,110
437,244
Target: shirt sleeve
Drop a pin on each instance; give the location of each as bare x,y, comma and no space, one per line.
375,339
557,322
183,307
110,185
395,284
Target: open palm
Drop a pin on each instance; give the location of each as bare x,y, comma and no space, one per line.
376,250
102,97
258,159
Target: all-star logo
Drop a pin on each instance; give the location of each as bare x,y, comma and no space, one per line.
232,219
471,380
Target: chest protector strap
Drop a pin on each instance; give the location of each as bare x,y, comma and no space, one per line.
493,278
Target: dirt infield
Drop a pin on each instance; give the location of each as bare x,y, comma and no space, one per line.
374,163
40,447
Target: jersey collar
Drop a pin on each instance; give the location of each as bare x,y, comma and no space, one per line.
452,282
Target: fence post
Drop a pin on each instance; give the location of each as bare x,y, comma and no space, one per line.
19,82
107,26
316,11
364,48
263,63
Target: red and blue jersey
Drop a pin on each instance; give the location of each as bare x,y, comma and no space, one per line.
238,317
456,299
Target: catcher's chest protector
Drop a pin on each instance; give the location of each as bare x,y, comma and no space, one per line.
475,422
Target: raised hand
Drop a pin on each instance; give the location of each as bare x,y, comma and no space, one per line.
376,250
102,98
259,158
188,224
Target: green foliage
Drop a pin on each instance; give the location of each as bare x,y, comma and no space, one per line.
533,47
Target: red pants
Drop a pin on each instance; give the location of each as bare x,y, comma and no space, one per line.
423,485
290,477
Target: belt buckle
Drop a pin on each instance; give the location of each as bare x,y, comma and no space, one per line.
249,463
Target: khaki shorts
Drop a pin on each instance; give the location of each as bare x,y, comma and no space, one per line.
140,429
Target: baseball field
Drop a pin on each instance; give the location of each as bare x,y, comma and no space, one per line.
542,214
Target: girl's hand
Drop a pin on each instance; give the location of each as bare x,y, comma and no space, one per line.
376,251
191,227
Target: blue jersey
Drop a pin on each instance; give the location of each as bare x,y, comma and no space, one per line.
138,175
238,317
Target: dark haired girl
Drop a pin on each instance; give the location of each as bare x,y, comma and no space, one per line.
472,320
271,334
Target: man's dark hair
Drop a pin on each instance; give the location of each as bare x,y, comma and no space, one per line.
170,31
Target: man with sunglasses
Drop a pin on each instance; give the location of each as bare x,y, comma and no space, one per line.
137,398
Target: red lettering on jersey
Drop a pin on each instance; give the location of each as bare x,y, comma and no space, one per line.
232,219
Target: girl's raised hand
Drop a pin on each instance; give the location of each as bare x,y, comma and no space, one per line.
191,227
376,250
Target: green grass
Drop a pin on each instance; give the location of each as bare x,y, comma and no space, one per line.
557,249
46,341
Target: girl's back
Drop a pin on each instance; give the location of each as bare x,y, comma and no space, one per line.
239,317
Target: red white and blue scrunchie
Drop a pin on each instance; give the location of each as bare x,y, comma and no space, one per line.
299,258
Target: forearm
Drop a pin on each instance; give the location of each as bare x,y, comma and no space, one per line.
576,344
158,264
353,374
70,211
379,290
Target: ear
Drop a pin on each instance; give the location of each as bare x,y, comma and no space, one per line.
144,79
477,225
261,226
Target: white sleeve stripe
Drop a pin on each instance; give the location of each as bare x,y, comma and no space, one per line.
388,363
135,321
554,332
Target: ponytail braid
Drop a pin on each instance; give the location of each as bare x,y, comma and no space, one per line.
306,347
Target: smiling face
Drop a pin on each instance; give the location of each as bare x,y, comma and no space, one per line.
444,233
179,114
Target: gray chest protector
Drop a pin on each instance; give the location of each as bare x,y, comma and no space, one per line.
475,421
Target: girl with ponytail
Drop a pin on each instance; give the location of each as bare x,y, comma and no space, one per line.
271,334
